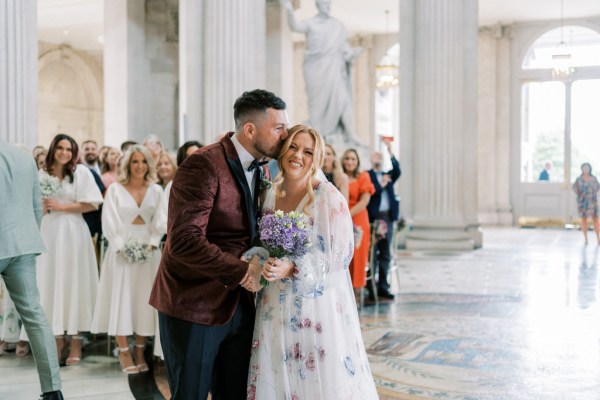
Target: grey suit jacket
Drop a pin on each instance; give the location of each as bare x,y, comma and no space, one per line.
20,203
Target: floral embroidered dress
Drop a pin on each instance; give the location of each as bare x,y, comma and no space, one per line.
587,196
307,341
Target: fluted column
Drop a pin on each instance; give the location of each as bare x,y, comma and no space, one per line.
443,118
280,48
125,110
18,71
191,17
234,49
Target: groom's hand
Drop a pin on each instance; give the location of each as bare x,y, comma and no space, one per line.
251,279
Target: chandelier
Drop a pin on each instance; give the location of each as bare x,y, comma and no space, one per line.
562,60
386,71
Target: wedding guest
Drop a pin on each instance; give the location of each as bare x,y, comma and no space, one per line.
186,149
68,272
110,167
333,171
153,143
90,155
37,149
126,145
102,154
383,208
206,317
586,188
40,158
20,243
122,307
307,341
10,324
165,169
360,189
545,174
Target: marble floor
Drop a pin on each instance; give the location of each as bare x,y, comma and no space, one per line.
518,319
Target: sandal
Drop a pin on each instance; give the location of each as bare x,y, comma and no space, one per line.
22,349
74,359
143,367
125,358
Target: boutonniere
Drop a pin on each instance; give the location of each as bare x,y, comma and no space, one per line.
265,184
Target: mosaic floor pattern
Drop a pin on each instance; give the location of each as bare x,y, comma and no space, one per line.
516,320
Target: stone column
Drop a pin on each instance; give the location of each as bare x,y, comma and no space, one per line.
503,105
494,126
234,51
18,71
125,71
443,41
191,24
280,48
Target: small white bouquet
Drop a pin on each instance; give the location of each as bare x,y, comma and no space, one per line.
49,185
135,251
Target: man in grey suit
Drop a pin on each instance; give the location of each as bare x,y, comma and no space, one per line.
20,243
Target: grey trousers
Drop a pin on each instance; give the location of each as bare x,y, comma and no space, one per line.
20,278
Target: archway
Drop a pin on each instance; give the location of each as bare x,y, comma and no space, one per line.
70,97
559,83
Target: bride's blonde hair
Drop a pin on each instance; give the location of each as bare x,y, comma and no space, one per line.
317,162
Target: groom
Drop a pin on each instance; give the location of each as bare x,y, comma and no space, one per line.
206,317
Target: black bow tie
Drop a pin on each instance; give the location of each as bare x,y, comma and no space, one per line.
256,164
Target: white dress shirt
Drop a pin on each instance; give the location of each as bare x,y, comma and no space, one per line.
246,159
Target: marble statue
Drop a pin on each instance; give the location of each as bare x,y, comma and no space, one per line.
327,62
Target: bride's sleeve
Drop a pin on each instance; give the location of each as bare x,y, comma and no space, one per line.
332,244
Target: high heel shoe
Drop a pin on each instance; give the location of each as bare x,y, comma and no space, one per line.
22,349
74,357
127,365
139,355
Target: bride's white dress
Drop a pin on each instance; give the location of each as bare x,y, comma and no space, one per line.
307,341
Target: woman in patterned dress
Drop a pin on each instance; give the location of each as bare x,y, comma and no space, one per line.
586,187
307,341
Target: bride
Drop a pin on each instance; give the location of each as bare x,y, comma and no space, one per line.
307,341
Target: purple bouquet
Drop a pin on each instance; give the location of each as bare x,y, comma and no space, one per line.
284,234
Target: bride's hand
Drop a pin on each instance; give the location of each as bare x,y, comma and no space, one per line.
275,269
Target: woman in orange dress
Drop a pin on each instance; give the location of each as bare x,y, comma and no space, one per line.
360,189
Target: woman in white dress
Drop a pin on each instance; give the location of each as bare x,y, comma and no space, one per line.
122,307
307,342
10,324
67,273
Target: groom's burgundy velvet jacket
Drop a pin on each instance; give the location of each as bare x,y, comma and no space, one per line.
211,224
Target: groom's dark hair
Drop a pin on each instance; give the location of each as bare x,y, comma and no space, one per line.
254,103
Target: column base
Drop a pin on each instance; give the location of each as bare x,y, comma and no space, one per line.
444,239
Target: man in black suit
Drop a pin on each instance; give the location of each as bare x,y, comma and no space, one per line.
93,219
384,205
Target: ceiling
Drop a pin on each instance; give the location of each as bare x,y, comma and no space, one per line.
80,22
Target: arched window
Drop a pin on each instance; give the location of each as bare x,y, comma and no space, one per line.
580,43
560,122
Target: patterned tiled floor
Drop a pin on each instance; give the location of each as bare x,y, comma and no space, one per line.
518,319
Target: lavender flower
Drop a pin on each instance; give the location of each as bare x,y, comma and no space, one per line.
284,234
